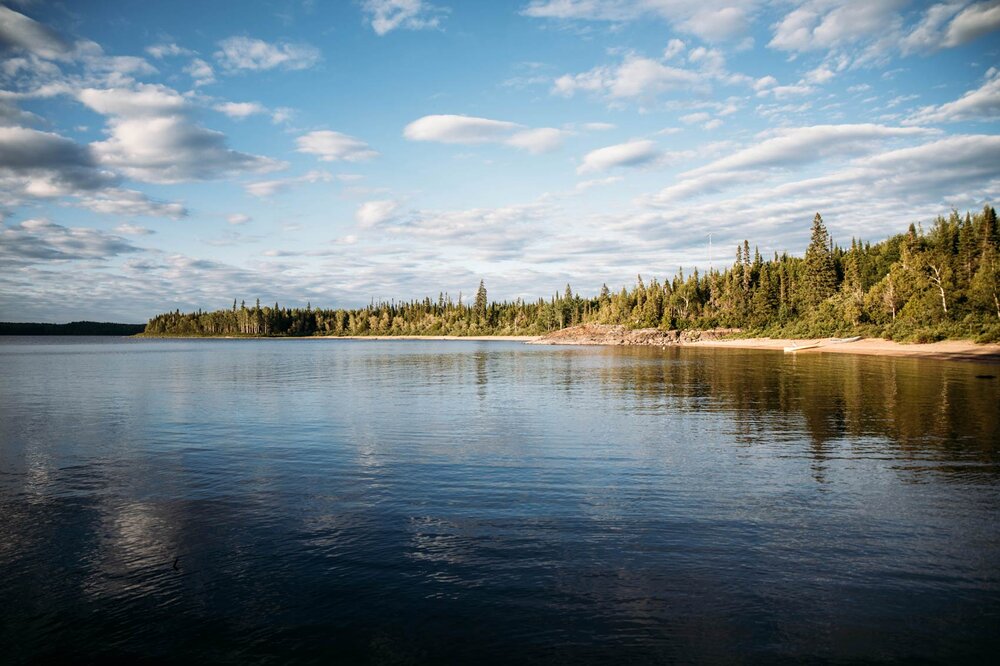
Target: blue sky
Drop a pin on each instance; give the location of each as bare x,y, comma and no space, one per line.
179,155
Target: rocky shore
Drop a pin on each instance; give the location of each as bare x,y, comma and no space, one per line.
605,334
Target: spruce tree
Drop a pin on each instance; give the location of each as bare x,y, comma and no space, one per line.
481,303
820,271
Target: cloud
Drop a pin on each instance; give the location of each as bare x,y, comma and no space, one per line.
333,146
873,29
201,72
485,234
238,218
388,15
973,22
268,188
820,24
698,117
675,47
458,129
43,164
641,78
536,141
245,53
115,201
630,154
36,164
634,77
782,150
282,115
709,19
585,185
470,130
133,230
153,139
981,104
160,51
717,24
41,240
372,213
144,100
22,34
865,198
240,110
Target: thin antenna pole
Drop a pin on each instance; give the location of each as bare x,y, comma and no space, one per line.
709,253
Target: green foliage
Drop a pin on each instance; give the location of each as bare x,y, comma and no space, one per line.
915,286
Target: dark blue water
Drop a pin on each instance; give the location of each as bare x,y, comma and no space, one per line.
426,502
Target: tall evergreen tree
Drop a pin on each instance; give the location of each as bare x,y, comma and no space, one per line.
820,270
481,303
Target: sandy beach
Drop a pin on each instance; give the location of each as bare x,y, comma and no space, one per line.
957,350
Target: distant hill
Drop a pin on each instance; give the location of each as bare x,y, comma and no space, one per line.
72,328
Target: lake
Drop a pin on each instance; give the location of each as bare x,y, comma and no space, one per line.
249,501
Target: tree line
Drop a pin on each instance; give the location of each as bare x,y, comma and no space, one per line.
72,328
921,285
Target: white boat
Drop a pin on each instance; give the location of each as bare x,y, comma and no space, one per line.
839,341
795,348
821,343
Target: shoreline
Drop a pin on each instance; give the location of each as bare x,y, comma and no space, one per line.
470,338
951,350
618,336
946,350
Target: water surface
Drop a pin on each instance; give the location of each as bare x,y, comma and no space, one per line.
250,501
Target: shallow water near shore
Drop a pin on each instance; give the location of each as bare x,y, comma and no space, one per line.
248,501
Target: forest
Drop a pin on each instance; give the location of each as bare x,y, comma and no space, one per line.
921,285
72,328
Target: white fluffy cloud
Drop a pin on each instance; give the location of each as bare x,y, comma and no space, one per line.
371,213
38,240
247,53
644,79
982,103
240,110
861,198
871,29
238,218
821,24
973,22
153,139
634,77
780,151
458,129
201,72
470,130
388,15
535,141
334,146
630,154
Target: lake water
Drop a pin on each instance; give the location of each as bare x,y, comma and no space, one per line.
249,501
